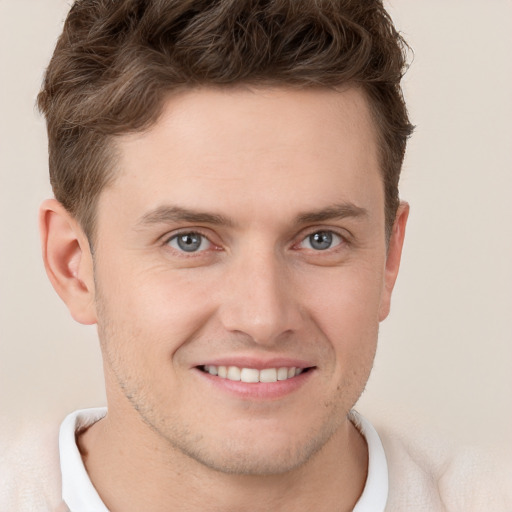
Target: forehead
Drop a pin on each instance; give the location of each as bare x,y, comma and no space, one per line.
263,149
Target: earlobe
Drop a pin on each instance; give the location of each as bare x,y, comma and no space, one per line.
68,260
394,255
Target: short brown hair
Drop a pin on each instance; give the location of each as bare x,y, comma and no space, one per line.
117,60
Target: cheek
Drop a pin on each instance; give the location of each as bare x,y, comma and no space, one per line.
346,310
346,302
156,309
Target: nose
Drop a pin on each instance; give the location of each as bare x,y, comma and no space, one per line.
259,299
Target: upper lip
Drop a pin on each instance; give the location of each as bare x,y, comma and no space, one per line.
257,363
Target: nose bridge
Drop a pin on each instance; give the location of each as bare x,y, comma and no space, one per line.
259,299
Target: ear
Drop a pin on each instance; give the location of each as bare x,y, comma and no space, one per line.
394,256
68,260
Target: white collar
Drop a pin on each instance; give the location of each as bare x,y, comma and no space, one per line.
375,492
80,495
77,490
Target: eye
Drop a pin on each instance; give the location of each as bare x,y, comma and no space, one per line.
321,241
189,242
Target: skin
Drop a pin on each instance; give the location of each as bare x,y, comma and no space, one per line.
255,172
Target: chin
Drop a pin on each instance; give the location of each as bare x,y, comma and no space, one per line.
250,463
277,454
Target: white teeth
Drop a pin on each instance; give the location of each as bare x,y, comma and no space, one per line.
268,375
249,375
252,375
282,374
233,373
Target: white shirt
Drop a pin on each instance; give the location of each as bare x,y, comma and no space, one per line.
80,495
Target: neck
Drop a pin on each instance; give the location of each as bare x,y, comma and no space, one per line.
134,469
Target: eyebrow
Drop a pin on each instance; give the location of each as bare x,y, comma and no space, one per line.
170,214
173,214
334,212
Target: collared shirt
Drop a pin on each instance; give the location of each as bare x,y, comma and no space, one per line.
80,495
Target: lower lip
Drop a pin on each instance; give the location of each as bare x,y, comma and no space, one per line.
259,391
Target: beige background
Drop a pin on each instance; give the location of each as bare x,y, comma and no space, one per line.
445,355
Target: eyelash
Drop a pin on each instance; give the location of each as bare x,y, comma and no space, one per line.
175,236
342,241
335,239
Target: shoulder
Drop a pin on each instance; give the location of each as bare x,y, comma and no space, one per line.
29,468
429,473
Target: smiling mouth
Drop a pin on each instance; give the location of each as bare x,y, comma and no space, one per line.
253,375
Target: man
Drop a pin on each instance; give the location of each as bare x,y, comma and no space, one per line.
227,213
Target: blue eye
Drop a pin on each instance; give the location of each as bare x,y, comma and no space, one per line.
321,240
189,242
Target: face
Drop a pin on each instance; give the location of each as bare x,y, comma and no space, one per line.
240,270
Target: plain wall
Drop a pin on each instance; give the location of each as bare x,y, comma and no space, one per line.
445,353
